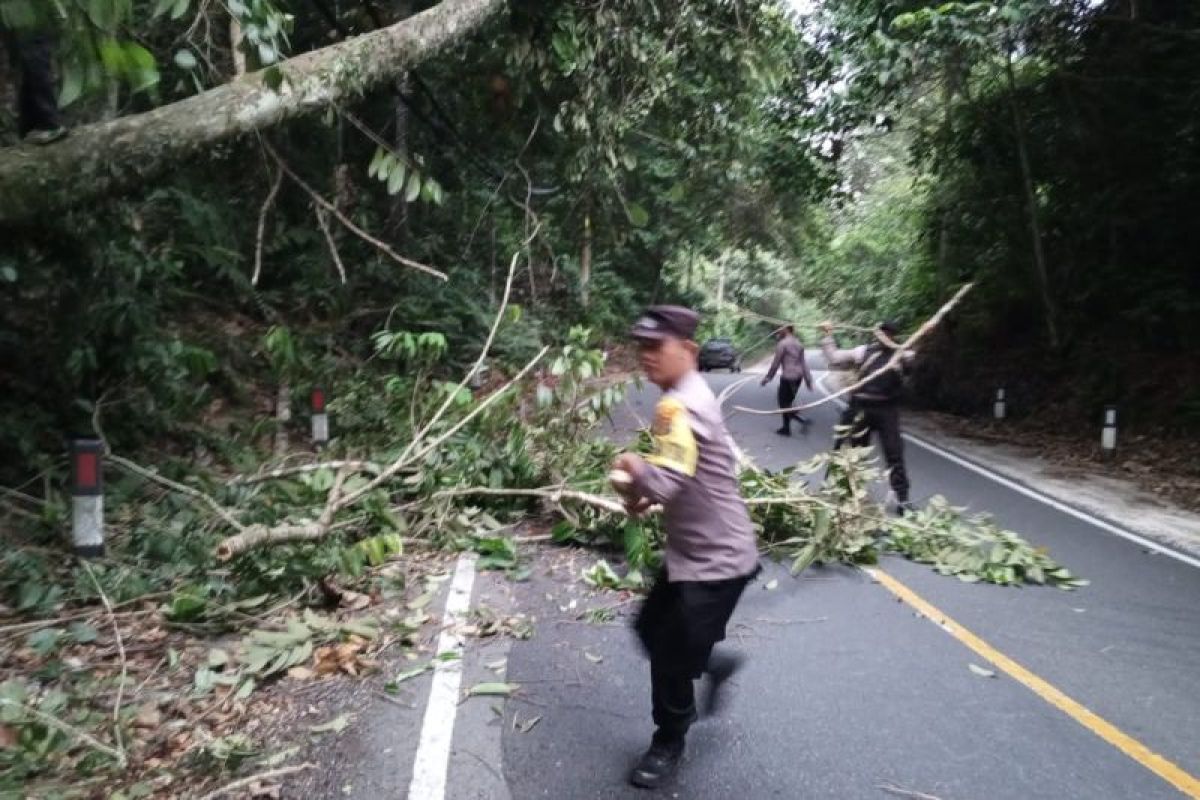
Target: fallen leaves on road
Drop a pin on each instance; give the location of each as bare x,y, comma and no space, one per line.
492,690
345,657
484,622
393,686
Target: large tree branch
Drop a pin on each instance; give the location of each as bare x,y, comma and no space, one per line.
116,155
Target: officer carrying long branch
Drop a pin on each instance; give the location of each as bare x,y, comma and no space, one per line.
875,406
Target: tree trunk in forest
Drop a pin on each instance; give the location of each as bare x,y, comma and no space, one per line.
397,224
943,255
585,257
121,154
283,418
492,275
1035,228
720,285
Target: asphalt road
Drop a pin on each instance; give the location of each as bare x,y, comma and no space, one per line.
848,690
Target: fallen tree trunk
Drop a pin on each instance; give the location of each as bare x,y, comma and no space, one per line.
112,156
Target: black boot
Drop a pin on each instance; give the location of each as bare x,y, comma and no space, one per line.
659,763
786,430
721,667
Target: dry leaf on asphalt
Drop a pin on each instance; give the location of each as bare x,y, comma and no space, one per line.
527,725
335,725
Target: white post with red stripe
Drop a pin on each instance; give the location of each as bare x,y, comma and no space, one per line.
87,496
320,419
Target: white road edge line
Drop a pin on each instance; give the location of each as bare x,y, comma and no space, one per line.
1039,496
437,731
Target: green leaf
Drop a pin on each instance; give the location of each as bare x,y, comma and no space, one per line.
186,606
184,59
82,632
104,14
638,216
804,558
275,759
393,686
373,170
395,179
414,187
492,689
420,601
273,77
45,641
335,725
981,672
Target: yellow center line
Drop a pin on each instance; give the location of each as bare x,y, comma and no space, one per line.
1162,767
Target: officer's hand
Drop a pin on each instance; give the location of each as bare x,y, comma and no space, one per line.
763,382
629,462
635,508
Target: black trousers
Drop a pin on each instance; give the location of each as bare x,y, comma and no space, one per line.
37,103
863,419
679,625
786,395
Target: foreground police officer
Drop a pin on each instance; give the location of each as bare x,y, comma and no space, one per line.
710,551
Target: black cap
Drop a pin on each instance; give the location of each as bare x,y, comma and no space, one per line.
890,327
663,322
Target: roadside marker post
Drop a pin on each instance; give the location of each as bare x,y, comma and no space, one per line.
87,495
320,419
1000,406
1108,433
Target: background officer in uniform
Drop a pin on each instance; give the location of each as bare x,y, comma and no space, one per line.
710,552
874,407
793,370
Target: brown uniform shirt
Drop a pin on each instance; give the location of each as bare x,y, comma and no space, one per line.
693,474
789,361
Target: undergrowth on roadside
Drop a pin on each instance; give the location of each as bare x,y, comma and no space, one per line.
144,672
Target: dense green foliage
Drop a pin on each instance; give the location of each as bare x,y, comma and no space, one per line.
1052,159
610,154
